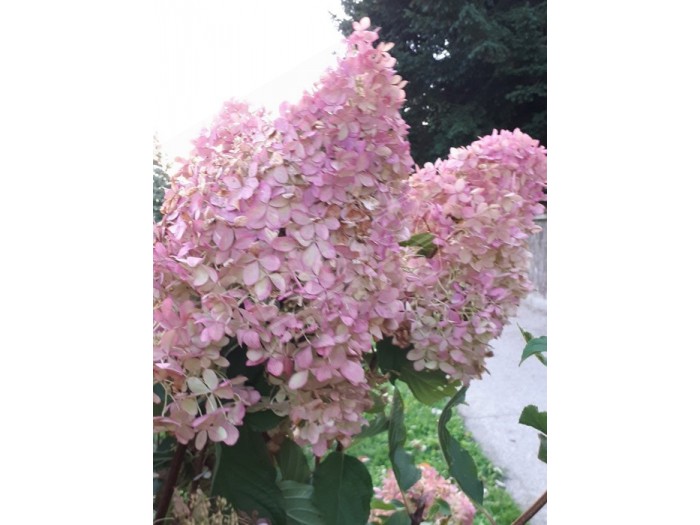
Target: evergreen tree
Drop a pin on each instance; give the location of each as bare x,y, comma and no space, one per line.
161,179
472,66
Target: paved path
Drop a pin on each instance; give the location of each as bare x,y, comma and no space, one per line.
496,401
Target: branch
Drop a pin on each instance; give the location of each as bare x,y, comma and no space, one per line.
166,494
534,509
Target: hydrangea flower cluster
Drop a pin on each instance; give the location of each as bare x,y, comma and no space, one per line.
480,206
279,244
431,488
282,236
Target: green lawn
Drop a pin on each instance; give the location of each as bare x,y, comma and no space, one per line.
421,425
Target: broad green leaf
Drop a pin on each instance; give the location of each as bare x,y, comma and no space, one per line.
164,451
542,453
376,426
400,517
297,504
245,476
423,241
255,375
342,490
535,347
439,506
390,358
405,470
459,462
532,417
526,335
263,421
383,505
428,386
292,462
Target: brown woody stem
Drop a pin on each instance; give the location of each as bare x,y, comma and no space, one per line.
534,509
166,493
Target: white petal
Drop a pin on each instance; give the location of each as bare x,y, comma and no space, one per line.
298,380
210,378
197,386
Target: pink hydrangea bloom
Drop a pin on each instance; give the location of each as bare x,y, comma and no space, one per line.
283,236
280,238
480,205
426,492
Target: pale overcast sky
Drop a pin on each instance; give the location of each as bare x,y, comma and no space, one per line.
207,51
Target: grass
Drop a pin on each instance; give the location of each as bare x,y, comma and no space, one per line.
422,441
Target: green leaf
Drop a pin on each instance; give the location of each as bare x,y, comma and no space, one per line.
376,426
535,347
405,470
383,505
532,417
378,402
164,452
400,517
342,490
440,506
237,359
245,476
428,386
526,335
292,462
297,503
542,453
160,392
459,462
423,241
390,358
263,421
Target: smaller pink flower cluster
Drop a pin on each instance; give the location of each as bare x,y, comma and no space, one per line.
480,205
430,488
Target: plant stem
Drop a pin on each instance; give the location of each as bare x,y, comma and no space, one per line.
198,468
483,510
534,509
417,516
166,493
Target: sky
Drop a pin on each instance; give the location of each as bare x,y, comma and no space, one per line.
263,51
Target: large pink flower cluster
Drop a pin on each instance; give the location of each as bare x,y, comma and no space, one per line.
429,489
283,237
480,206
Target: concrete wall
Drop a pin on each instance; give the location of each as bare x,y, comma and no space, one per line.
538,247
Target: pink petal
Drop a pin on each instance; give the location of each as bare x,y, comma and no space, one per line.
312,258
279,173
353,372
326,249
284,244
223,236
278,281
270,262
263,288
275,367
252,340
303,359
251,273
307,232
232,435
301,217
